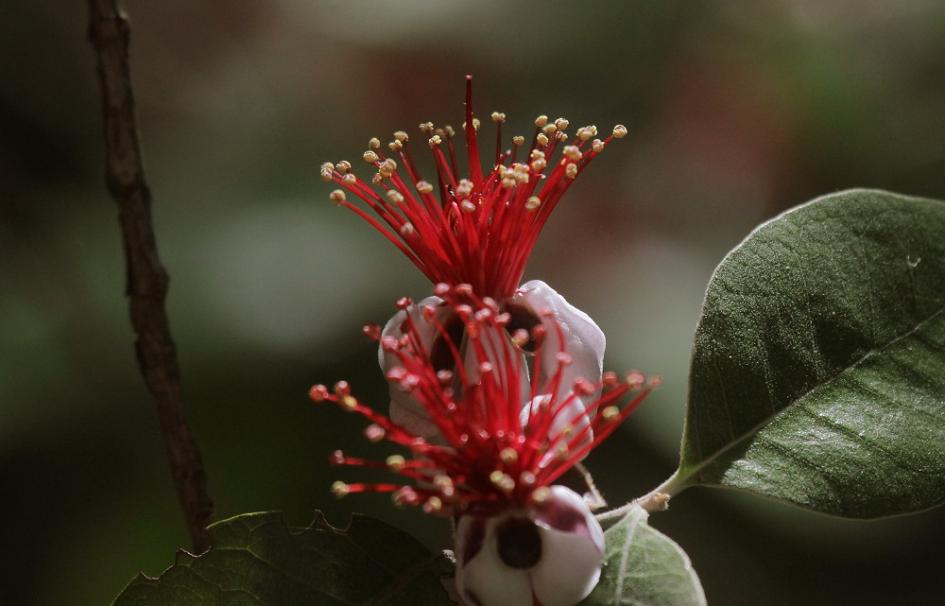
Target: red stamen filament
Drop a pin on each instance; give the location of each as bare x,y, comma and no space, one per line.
480,231
490,459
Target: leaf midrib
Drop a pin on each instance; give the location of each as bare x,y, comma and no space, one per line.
683,476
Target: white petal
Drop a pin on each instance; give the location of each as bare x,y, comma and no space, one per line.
573,415
485,580
575,418
572,550
405,410
498,348
584,340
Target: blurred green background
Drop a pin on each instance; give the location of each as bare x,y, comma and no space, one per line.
737,110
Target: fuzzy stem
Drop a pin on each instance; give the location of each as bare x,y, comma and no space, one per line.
655,500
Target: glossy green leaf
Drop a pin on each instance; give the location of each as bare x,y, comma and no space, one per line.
257,561
643,567
818,370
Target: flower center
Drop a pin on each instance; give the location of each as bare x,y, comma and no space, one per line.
519,543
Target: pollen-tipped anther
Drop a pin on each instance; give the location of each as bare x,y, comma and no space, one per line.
541,495
424,187
433,505
508,455
395,462
318,393
375,433
611,413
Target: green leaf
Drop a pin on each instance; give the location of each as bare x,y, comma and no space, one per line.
644,567
818,370
258,561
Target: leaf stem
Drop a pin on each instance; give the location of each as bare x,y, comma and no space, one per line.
655,500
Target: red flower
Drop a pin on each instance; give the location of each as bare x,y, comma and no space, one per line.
481,229
502,447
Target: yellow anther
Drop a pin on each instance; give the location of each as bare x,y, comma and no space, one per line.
340,489
597,145
467,206
433,505
349,403
541,120
475,124
370,157
449,130
337,196
527,478
518,140
434,141
611,413
396,462
549,129
424,187
394,196
327,170
407,229
562,451
401,136
508,182
541,495
620,131
395,146
426,127
572,152
374,143
539,165
497,117
508,455
445,484
387,167
562,123
343,166
541,139
350,179
571,170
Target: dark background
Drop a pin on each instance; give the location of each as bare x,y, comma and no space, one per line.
737,110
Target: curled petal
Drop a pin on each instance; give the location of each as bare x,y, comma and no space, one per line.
405,410
573,550
584,340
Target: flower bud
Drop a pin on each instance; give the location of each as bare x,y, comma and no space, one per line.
552,550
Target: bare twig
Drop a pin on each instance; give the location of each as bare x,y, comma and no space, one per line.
147,280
